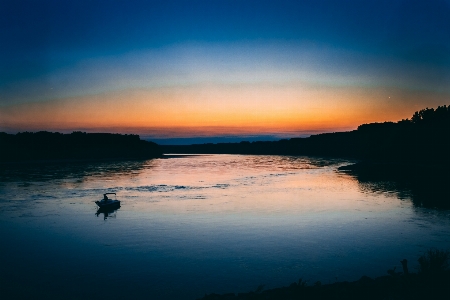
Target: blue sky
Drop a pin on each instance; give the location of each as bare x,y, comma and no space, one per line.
342,55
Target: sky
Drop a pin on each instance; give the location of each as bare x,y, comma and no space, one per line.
179,71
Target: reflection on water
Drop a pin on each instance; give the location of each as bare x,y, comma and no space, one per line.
107,212
427,188
201,224
37,172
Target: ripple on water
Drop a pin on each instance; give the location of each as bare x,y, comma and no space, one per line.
215,223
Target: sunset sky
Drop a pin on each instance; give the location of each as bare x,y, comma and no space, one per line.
236,69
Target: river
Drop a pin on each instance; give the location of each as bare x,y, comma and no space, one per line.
195,224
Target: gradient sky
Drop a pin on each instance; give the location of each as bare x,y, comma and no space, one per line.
172,69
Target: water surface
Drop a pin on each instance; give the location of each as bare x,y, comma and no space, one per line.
200,224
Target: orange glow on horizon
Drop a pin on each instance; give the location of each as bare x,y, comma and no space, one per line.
214,110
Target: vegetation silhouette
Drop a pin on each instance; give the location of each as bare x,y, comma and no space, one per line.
423,139
434,262
43,145
431,282
413,154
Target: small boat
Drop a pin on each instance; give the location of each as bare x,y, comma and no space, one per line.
106,202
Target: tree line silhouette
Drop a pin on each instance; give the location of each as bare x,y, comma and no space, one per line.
423,139
45,145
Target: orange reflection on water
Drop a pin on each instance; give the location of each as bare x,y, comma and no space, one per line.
241,185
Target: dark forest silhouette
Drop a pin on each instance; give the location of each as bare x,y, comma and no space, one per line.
423,139
45,145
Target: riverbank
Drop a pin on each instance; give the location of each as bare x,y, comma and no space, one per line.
431,282
395,167
412,286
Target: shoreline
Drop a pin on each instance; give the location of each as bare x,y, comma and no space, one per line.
396,285
73,160
83,160
364,165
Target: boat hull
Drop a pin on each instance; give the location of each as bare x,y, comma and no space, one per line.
108,203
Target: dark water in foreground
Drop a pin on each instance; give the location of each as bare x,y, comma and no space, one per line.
202,224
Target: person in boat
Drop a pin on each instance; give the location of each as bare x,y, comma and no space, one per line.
105,198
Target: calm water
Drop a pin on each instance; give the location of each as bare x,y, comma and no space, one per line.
200,224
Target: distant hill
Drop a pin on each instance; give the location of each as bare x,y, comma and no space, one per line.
43,145
425,138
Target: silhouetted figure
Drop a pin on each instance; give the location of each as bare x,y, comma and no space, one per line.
405,266
105,198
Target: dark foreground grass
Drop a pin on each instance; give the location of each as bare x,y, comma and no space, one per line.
431,282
